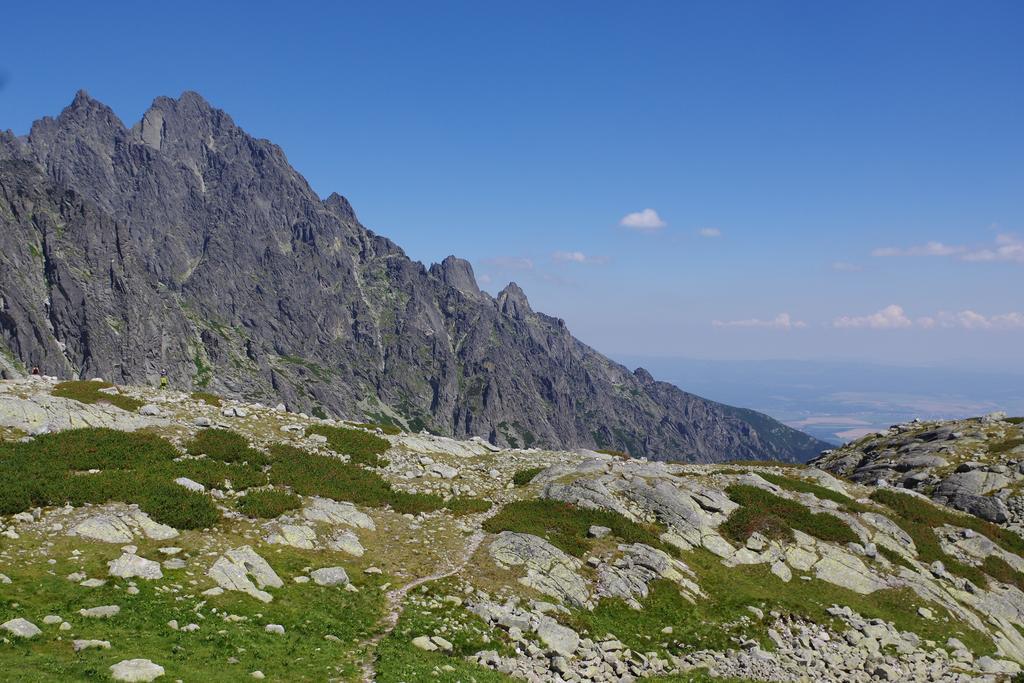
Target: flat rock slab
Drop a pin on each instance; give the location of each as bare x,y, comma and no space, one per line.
23,628
136,671
102,612
233,569
130,565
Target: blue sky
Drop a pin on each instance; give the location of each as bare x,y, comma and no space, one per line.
825,180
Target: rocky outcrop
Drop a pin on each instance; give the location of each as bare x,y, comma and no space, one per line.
124,251
975,465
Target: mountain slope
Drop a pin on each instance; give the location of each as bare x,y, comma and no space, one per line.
183,243
307,549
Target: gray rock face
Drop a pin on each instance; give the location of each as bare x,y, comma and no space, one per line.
548,569
127,250
966,464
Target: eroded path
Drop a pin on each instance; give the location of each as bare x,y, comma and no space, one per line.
396,597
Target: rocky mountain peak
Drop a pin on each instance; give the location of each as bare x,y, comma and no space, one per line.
644,376
458,274
341,207
512,302
199,249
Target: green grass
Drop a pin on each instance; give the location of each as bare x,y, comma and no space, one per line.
88,391
1000,570
925,512
460,506
816,490
775,517
399,661
392,429
525,476
765,463
1015,420
894,557
207,398
267,504
1005,446
614,453
308,612
318,475
714,621
224,445
361,447
135,467
565,526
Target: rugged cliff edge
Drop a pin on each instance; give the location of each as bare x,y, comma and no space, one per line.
183,243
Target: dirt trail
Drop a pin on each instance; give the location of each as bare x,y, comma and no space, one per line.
396,598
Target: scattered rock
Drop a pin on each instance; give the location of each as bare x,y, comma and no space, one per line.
136,671
21,628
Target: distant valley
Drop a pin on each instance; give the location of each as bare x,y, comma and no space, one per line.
839,401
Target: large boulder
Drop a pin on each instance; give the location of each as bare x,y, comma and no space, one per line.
548,569
130,565
232,571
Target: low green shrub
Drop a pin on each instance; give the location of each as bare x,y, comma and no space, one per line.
894,557
524,477
224,445
775,517
208,398
467,506
88,391
393,430
214,474
361,447
816,490
913,508
267,503
565,526
1000,570
318,475
919,518
134,467
765,463
1005,446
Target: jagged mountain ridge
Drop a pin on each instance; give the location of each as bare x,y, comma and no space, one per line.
184,243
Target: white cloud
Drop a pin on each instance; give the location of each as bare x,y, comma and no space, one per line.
484,279
844,267
783,321
647,220
1007,248
894,317
578,257
709,232
509,263
971,320
890,317
929,249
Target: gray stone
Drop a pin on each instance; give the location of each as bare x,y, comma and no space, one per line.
329,576
233,569
21,628
102,612
130,565
136,671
